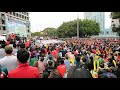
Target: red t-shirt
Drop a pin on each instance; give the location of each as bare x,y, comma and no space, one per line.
75,52
24,71
94,51
55,53
62,69
27,44
57,49
45,50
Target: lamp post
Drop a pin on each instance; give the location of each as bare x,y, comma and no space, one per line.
77,26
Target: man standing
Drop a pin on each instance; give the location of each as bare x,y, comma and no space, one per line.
9,61
24,70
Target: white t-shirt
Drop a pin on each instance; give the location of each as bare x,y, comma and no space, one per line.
2,53
9,62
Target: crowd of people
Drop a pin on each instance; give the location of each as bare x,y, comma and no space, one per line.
73,58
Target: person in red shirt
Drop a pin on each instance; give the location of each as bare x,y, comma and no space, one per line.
55,53
45,49
27,44
52,52
62,68
24,70
7,42
118,58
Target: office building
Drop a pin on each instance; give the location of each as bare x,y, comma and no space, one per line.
99,17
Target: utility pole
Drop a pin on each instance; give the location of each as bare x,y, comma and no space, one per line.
77,26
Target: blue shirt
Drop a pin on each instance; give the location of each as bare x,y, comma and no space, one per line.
67,63
77,64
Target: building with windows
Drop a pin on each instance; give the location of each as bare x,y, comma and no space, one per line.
100,18
15,22
115,22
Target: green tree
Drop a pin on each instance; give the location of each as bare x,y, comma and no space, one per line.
116,15
86,28
50,32
35,34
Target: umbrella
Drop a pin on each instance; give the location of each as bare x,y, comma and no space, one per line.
75,72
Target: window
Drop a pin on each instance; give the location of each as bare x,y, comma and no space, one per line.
3,21
0,27
14,13
4,28
28,31
107,32
27,18
17,14
2,15
22,16
113,25
27,13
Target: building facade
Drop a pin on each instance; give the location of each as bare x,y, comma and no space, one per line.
100,18
97,16
115,23
15,22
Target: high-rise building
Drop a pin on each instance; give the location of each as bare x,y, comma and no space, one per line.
15,22
99,17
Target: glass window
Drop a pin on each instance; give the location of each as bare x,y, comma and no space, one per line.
14,13
3,21
27,18
4,28
22,16
17,14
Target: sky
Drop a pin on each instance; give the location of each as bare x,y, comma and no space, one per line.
41,20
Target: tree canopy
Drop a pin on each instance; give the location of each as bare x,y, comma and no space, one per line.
86,28
69,29
50,31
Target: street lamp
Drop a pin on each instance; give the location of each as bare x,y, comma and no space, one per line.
77,26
